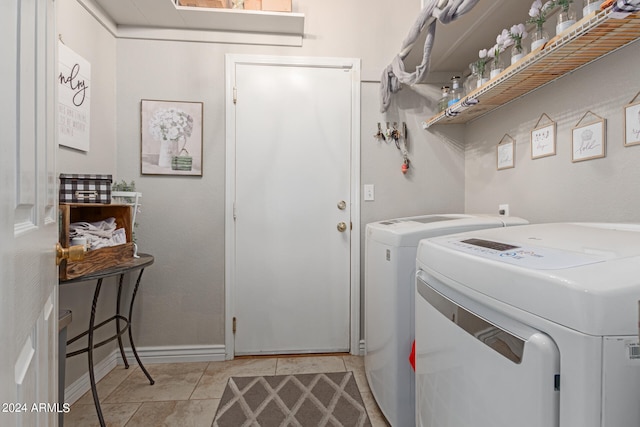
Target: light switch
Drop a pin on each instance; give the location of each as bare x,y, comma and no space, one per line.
369,192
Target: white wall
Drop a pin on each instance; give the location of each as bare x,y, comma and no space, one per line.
82,34
182,300
553,188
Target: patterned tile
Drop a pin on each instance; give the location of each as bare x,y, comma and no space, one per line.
300,399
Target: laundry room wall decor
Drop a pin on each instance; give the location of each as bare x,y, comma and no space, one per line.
588,140
543,138
171,137
632,122
505,152
74,100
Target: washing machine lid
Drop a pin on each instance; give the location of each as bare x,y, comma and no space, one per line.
409,231
585,276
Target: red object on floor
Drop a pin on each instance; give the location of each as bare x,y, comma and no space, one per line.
412,356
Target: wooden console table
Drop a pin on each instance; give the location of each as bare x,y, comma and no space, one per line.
122,322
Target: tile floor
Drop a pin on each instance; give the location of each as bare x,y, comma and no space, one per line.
187,394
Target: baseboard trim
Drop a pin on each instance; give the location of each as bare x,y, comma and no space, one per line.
79,387
175,354
148,355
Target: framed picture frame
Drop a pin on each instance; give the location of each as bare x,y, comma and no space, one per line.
505,153
588,141
543,139
171,137
632,122
74,99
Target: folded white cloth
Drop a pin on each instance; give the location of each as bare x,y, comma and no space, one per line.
99,234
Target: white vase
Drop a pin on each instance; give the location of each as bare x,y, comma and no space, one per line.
517,53
539,37
168,148
496,67
566,18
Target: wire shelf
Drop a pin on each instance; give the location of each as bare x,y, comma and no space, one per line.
591,38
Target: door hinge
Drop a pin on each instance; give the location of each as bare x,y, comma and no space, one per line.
235,95
234,325
234,212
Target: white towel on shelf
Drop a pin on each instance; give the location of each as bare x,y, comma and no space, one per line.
99,234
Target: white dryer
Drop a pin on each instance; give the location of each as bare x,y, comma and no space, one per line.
390,258
534,326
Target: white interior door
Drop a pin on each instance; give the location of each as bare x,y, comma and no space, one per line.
291,286
28,214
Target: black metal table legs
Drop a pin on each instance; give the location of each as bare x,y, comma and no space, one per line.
118,317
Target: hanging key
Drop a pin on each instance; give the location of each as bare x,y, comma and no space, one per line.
380,135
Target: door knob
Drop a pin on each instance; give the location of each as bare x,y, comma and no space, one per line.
342,205
342,226
72,253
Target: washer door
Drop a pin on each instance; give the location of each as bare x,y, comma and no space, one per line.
475,366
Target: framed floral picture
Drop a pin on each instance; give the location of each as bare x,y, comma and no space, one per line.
632,122
171,137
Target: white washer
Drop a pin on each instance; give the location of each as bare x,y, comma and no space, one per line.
390,258
534,326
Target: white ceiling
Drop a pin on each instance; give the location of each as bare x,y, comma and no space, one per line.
456,44
164,14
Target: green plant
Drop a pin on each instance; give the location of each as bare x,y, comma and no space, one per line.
564,4
123,186
130,187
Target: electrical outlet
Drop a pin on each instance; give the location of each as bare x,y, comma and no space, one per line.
369,192
503,210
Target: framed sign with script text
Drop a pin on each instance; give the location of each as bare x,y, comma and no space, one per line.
74,86
632,122
543,139
505,153
588,141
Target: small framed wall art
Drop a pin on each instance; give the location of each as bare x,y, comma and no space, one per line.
171,137
543,138
588,140
505,152
632,122
74,99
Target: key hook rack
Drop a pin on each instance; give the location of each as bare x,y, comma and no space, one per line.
399,137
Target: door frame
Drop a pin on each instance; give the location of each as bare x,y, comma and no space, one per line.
231,60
